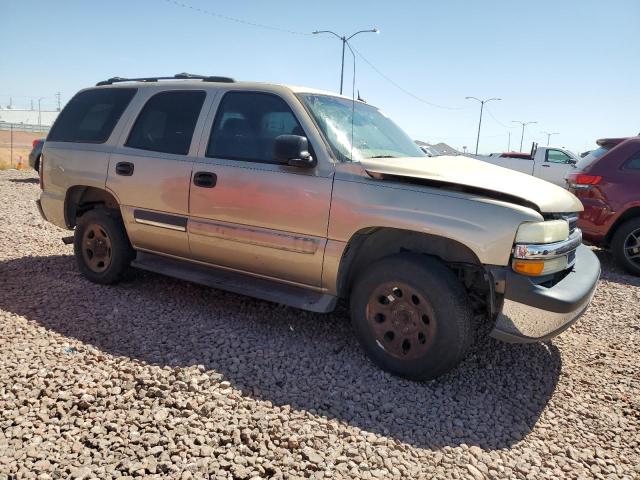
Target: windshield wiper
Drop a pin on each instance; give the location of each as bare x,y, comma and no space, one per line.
383,156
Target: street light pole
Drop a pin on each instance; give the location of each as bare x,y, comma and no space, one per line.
524,124
548,134
344,39
40,112
482,102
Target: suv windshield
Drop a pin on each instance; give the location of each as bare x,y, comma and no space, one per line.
372,134
593,155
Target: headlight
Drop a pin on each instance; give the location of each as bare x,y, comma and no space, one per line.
543,232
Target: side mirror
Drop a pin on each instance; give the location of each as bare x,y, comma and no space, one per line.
293,150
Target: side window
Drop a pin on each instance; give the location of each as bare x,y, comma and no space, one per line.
557,156
633,163
247,124
167,121
91,115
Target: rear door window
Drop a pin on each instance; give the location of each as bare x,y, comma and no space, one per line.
91,115
167,121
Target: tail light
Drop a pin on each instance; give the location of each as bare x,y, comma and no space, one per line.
35,143
40,172
583,181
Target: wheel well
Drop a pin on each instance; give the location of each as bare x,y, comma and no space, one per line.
627,215
80,199
369,245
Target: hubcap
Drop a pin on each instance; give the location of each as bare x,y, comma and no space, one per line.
632,247
96,248
402,320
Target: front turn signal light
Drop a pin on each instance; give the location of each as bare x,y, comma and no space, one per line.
529,267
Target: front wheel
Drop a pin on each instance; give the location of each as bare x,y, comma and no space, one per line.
625,246
101,247
412,316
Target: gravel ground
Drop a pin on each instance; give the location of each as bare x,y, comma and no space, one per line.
161,378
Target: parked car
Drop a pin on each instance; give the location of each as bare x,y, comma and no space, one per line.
302,197
34,155
607,181
548,163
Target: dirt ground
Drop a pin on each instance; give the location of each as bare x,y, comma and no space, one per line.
159,378
22,144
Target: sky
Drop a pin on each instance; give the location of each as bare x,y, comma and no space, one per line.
571,66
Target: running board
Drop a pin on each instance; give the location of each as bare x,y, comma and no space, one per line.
260,288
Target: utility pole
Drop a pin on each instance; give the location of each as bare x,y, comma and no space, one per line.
548,134
10,106
32,104
482,102
40,112
509,143
524,124
345,40
58,98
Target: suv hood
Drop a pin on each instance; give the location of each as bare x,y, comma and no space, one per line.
477,177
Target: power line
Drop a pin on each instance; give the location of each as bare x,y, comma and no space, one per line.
496,120
294,32
234,19
401,88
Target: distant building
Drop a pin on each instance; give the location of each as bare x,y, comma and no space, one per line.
433,150
29,117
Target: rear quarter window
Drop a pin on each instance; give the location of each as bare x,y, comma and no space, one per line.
633,163
91,115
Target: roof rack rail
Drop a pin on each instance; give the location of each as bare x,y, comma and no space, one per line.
178,76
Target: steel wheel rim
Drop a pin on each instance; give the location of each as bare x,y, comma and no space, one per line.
96,248
402,320
631,247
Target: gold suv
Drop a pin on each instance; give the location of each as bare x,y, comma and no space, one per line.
303,197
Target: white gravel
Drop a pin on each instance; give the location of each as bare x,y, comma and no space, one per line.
161,378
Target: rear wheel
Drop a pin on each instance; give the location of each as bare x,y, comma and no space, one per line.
102,250
625,246
412,316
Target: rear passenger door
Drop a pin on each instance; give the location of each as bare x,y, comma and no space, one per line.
256,215
150,170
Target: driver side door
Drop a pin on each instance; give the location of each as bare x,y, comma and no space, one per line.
256,215
555,166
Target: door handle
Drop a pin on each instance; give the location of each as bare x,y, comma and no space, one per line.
205,179
546,166
124,168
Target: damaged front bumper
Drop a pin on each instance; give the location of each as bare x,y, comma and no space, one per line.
533,312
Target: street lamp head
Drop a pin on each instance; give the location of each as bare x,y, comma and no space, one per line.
315,32
376,30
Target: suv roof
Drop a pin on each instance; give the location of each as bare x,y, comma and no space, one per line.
188,79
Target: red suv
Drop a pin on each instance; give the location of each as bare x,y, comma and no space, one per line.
607,182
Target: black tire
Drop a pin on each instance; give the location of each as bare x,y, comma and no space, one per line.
622,246
110,244
443,338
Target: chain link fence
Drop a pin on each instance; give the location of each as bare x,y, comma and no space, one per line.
16,141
